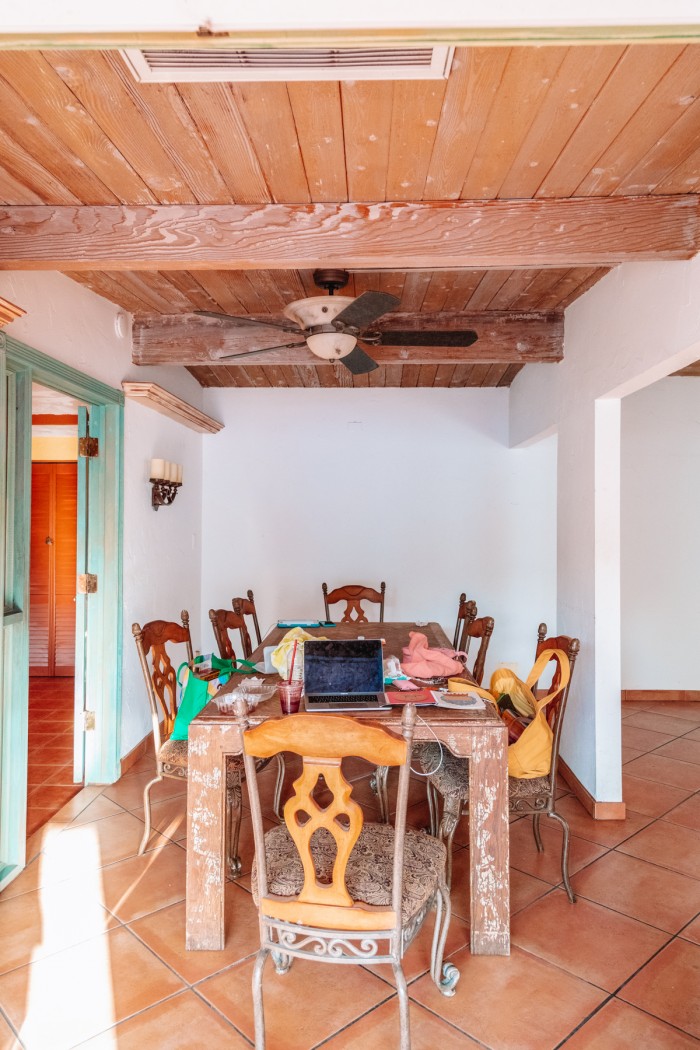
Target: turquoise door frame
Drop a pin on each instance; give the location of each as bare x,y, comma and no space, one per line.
99,650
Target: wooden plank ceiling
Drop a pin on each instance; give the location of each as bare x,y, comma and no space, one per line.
509,124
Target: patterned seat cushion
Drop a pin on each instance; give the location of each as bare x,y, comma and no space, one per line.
451,777
173,755
369,872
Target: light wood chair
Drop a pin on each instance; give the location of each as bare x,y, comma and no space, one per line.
246,607
448,776
470,627
328,886
353,595
172,755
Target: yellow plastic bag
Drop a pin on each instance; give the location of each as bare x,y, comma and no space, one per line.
282,655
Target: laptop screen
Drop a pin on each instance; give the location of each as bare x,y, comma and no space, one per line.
343,667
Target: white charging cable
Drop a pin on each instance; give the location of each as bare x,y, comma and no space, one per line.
430,772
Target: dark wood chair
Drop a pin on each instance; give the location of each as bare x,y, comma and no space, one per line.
172,755
223,621
246,607
448,776
330,886
470,627
353,595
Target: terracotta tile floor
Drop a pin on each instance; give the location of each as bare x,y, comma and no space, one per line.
50,774
92,946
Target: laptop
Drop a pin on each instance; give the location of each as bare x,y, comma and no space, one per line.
344,675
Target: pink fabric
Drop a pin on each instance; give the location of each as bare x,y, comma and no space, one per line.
420,661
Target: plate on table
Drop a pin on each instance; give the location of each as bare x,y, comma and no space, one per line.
436,680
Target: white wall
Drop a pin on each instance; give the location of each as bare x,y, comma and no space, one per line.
161,550
660,512
414,487
638,324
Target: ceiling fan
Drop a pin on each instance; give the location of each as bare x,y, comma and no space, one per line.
333,324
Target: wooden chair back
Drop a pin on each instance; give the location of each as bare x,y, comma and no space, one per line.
246,607
353,595
158,670
473,627
322,741
223,621
557,707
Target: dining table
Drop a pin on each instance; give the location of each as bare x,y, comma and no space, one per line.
478,735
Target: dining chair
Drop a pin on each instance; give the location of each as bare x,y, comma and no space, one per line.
223,621
470,627
328,885
172,755
353,595
246,607
448,776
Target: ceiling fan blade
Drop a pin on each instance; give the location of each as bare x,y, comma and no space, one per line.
245,321
428,338
366,308
251,353
358,362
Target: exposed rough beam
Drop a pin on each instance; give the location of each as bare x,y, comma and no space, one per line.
511,338
509,234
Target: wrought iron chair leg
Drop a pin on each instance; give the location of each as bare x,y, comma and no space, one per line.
258,998
433,809
279,784
378,783
444,975
448,825
233,828
147,812
536,831
405,1043
564,855
283,962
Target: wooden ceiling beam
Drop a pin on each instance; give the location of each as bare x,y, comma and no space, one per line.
188,339
583,231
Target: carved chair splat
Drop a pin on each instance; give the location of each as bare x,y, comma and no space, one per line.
353,595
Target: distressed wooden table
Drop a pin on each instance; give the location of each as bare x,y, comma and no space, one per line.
479,736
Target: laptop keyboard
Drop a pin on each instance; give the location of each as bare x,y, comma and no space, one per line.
342,698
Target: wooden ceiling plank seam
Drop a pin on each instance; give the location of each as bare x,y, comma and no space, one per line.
221,126
464,284
561,288
526,81
653,121
205,376
326,375
576,83
393,283
274,375
367,108
275,289
440,286
683,179
461,375
22,123
360,381
443,375
318,117
231,291
93,81
109,287
46,93
478,374
308,375
145,285
378,376
501,235
269,121
617,101
166,290
190,287
27,170
410,375
172,125
489,286
493,376
392,375
515,285
537,288
415,115
343,375
414,288
668,152
472,86
594,276
14,192
509,374
426,375
231,376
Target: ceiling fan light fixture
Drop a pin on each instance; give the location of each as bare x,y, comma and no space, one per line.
331,345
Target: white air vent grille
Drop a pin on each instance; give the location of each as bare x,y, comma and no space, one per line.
234,64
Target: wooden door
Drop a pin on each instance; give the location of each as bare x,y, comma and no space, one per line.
52,576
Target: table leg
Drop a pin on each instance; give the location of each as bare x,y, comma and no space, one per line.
488,844
206,824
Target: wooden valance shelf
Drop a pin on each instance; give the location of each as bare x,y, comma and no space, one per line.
174,407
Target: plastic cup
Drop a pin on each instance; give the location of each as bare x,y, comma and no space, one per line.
290,696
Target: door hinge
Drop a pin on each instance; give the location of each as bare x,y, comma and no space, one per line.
88,447
87,583
88,720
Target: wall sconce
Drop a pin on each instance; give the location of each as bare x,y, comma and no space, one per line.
166,479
